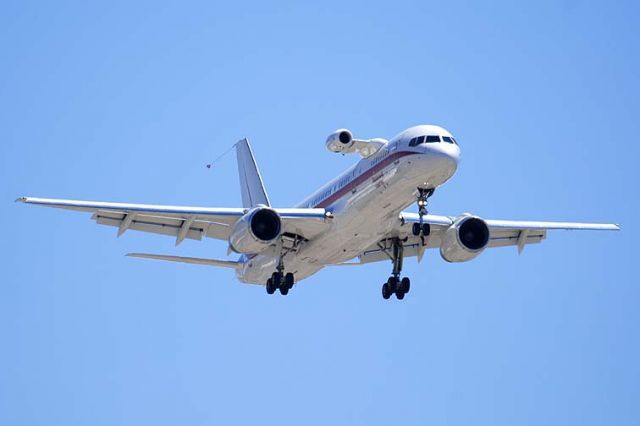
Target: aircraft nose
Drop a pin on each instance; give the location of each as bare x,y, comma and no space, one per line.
445,158
449,152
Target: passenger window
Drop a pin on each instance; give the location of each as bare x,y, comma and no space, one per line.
447,139
431,139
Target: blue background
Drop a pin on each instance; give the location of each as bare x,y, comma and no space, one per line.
128,102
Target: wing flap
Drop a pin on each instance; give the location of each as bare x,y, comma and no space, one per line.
155,225
411,249
514,239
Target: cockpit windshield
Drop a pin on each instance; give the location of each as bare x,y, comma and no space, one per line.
418,140
449,139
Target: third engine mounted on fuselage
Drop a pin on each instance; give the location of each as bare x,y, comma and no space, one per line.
465,239
259,228
340,140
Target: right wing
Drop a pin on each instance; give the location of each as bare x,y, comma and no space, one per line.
183,222
502,233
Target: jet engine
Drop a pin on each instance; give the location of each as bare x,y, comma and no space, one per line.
255,231
465,239
340,140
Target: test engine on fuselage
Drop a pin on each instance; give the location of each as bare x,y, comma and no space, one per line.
255,231
465,239
340,140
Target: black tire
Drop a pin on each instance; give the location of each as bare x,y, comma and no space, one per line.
405,285
426,229
392,284
284,290
270,287
288,280
400,294
276,278
386,294
415,229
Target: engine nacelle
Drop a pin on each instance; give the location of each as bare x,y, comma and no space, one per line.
255,231
340,140
465,239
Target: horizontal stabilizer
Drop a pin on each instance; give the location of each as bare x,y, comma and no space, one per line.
193,260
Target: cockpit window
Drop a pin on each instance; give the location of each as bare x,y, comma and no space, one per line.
430,139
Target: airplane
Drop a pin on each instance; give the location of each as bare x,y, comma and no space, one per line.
354,219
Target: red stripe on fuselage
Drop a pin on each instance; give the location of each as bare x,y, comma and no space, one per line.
363,177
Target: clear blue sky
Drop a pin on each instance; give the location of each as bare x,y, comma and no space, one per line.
128,102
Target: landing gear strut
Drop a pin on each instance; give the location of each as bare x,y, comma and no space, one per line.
394,284
422,229
280,280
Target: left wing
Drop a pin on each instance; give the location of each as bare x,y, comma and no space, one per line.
184,222
502,233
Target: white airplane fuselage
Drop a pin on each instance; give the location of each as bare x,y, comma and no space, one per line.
377,188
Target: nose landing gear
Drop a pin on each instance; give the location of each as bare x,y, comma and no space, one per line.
422,229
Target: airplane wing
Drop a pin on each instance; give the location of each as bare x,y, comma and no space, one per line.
183,222
502,233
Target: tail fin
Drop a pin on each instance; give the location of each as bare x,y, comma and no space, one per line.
251,185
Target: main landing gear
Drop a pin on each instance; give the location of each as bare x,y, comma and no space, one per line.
394,284
395,250
280,280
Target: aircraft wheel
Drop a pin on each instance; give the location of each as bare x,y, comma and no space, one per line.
415,229
284,290
276,278
386,294
288,280
426,229
405,285
400,294
392,284
270,287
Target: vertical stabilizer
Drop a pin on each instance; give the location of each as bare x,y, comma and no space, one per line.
251,185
